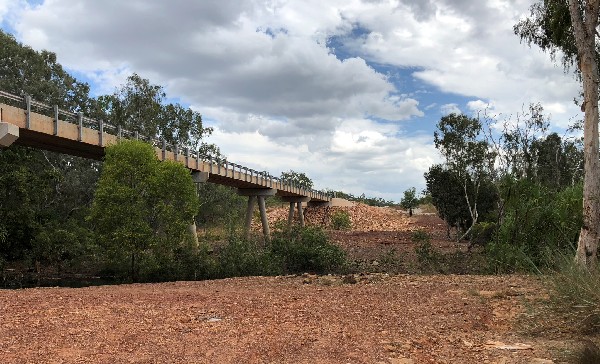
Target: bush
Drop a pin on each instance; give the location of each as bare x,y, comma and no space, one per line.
307,250
427,256
538,222
340,220
246,258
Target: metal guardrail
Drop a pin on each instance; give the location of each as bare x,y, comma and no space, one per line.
216,164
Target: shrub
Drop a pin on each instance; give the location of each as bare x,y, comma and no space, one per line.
538,222
307,250
340,220
427,256
246,258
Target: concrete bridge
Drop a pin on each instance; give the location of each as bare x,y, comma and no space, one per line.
26,122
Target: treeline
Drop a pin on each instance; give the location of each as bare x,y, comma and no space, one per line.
371,201
512,186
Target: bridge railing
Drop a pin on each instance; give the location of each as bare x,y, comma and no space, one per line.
216,164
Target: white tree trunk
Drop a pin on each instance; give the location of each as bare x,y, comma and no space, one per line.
584,29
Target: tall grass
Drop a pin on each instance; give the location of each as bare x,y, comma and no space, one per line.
576,294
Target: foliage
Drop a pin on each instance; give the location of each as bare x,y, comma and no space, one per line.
297,179
26,71
139,106
570,28
537,223
246,258
41,190
447,193
307,250
409,200
371,201
427,256
220,206
559,162
470,161
340,220
142,206
549,27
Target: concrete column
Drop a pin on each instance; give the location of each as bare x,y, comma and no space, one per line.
257,194
249,213
300,213
295,200
8,134
263,218
291,215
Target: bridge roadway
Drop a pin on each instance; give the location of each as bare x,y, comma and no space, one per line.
28,124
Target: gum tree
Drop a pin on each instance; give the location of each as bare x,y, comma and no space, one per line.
569,27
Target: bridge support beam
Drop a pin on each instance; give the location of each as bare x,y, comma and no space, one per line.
255,194
295,200
198,177
8,134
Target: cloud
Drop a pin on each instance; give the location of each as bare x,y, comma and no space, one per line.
220,54
466,48
447,109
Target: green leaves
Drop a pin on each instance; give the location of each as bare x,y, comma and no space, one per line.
298,179
409,200
142,205
139,106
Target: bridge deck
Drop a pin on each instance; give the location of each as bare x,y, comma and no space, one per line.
51,133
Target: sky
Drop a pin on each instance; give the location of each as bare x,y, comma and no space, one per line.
346,91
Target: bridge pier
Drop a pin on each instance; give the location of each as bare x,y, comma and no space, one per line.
255,194
8,134
198,177
295,200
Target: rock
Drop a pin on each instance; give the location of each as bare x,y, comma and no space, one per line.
541,361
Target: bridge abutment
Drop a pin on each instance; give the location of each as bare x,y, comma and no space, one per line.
9,133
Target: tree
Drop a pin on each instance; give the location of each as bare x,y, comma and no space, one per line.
558,162
142,206
298,179
44,194
409,200
139,106
444,187
467,156
571,27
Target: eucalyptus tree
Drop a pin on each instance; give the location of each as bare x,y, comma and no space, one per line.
569,28
299,179
468,156
142,107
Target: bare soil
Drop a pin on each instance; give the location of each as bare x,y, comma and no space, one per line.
359,318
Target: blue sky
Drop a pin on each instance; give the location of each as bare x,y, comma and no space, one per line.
346,91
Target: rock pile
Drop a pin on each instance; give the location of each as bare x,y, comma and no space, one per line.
363,217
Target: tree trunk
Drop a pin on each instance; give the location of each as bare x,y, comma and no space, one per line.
584,30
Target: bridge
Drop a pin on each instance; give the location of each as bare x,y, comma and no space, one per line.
26,122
